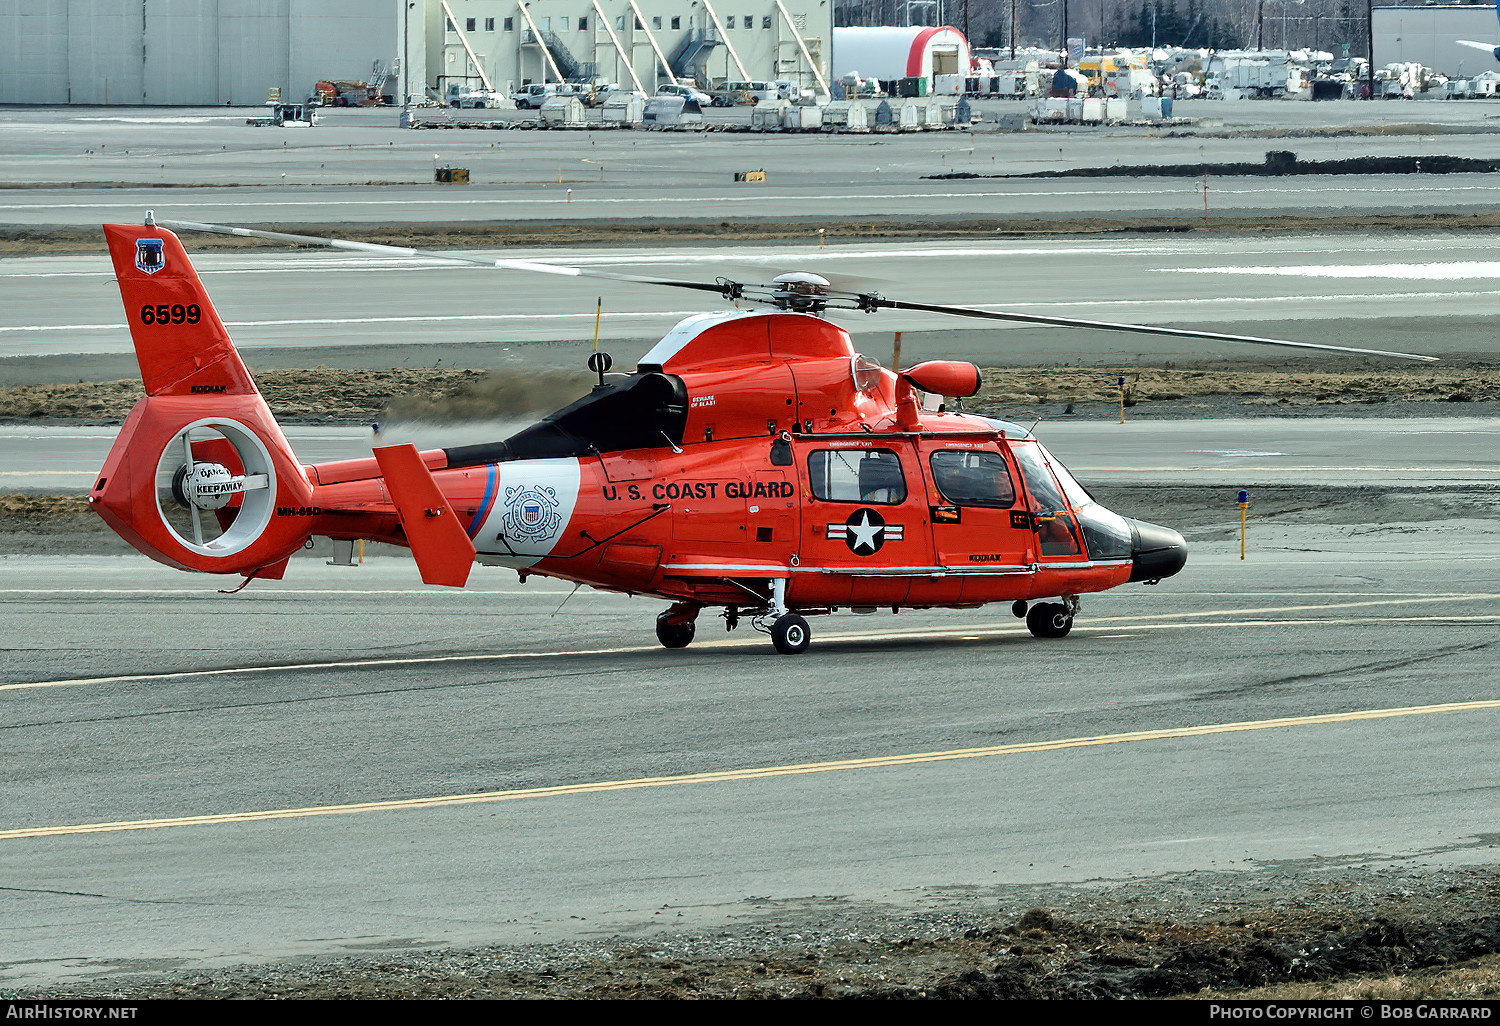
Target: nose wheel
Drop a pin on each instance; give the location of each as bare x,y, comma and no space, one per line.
676,626
1049,620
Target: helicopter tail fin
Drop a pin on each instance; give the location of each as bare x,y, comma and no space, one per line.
180,343
201,475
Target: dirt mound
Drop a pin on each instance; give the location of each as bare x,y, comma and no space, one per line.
1277,162
46,514
1006,386
1439,937
324,394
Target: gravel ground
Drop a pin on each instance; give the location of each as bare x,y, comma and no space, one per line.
1324,928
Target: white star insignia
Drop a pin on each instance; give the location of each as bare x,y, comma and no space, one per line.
865,533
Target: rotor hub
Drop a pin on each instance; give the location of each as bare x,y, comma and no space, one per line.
206,486
800,291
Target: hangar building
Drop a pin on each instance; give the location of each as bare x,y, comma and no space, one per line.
1428,34
210,52
707,41
202,52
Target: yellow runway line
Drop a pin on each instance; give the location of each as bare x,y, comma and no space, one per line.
754,773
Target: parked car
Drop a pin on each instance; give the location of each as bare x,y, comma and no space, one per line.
481,99
723,96
751,92
698,96
531,97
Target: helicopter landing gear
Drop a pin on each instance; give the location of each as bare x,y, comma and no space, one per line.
1050,620
676,626
790,634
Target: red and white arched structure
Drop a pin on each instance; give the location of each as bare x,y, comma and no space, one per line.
887,53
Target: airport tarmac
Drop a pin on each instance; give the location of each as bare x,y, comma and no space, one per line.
1433,293
82,167
367,764
783,198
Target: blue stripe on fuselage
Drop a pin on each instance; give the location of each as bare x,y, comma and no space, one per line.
489,498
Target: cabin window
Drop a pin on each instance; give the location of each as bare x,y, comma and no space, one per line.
973,478
489,24
677,22
469,24
583,23
871,476
656,22
510,24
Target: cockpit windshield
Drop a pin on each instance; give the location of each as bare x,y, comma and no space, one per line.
1105,535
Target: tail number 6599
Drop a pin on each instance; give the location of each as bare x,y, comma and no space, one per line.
176,313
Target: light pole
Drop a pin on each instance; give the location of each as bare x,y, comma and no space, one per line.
405,57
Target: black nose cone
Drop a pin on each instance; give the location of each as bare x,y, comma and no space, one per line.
1155,552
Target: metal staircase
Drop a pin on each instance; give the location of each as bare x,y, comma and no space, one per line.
573,70
691,54
379,76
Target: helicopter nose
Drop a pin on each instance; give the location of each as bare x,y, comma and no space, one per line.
1155,551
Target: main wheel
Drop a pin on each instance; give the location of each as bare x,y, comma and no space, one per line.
790,634
674,635
1049,620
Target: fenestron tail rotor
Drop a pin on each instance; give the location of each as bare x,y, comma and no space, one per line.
798,291
214,487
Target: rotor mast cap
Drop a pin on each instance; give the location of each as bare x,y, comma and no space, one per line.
801,291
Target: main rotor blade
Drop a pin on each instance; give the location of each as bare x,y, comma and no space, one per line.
428,254
730,289
1143,329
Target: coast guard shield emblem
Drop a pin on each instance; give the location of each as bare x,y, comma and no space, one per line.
149,256
531,513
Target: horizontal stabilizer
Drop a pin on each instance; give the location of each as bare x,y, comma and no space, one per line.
442,549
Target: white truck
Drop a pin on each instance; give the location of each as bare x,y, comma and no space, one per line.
1254,77
1130,81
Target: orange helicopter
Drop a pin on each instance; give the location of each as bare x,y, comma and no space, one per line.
753,462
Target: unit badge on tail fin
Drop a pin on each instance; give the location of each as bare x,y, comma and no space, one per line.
149,256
